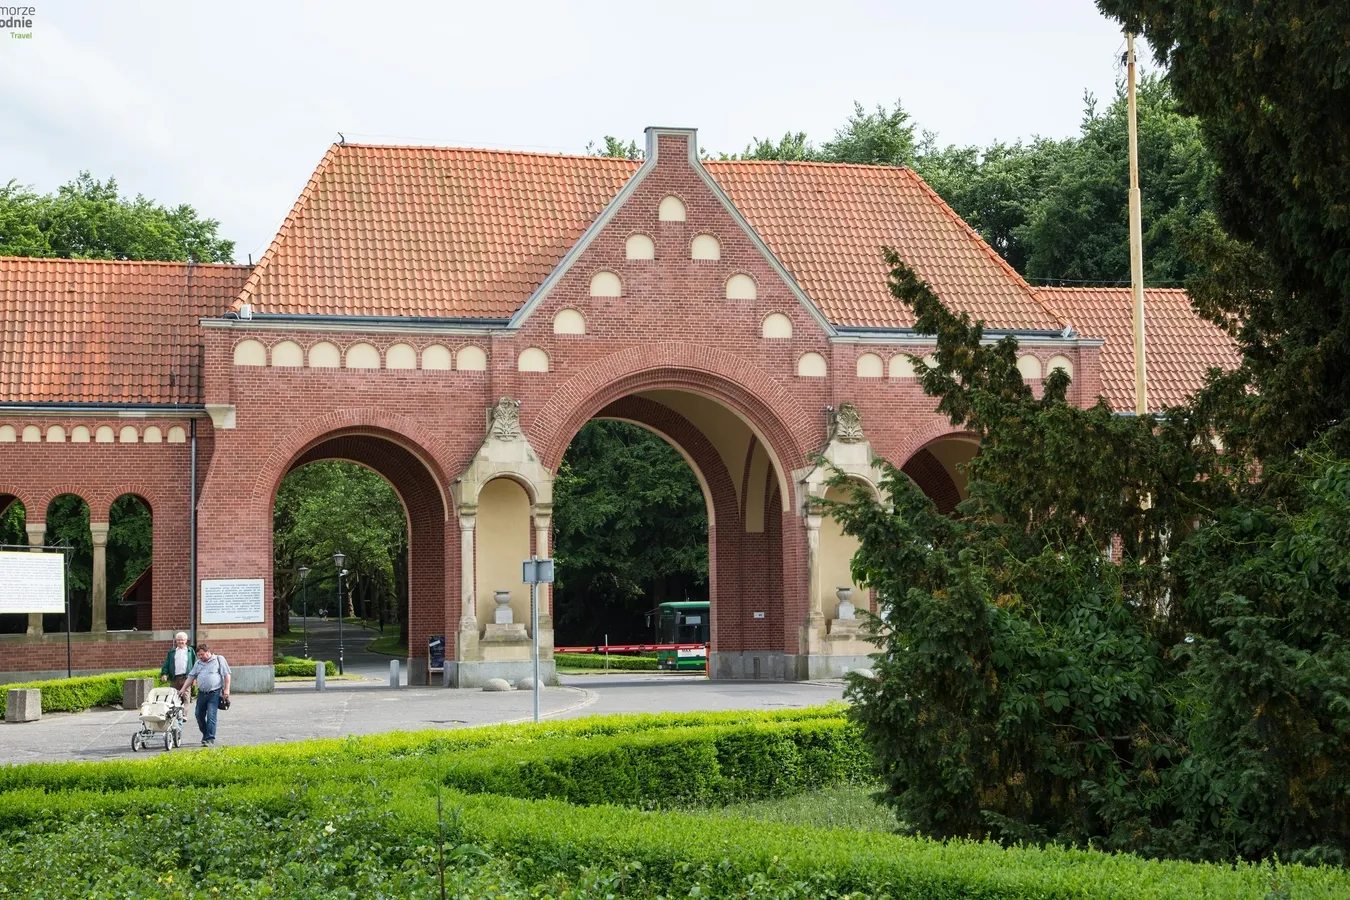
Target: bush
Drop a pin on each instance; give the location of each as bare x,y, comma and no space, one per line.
378,795
293,666
78,694
597,661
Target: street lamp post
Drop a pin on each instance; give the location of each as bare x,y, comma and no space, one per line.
338,559
304,604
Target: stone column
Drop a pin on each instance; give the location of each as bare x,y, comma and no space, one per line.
543,527
467,643
816,614
98,593
543,522
36,532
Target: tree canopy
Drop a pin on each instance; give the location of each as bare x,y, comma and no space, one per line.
89,219
1133,633
1270,88
1056,210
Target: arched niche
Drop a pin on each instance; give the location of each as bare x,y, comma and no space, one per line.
324,355
671,209
901,366
400,356
870,366
569,321
811,365
471,358
532,359
776,326
1029,366
436,358
705,246
363,356
639,247
741,287
250,353
606,284
288,355
503,540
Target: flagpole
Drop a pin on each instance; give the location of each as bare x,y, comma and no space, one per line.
1136,247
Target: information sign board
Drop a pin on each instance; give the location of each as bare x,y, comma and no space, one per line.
228,601
32,582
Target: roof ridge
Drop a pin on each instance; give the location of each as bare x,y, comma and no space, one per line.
246,293
1105,287
450,148
984,245
122,262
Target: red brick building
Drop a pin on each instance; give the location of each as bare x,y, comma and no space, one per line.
451,318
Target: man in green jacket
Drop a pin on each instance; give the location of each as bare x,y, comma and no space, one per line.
178,662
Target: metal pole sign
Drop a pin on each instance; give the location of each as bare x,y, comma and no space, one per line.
534,572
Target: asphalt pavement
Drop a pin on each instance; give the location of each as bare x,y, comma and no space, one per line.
367,705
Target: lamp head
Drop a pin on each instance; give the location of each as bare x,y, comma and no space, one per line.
304,572
338,558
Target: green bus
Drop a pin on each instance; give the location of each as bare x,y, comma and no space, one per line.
682,622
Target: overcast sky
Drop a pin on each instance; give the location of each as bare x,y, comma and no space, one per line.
229,106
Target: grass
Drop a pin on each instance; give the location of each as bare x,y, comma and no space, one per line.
309,679
848,806
388,644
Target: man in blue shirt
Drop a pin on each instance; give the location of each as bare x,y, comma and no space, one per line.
211,674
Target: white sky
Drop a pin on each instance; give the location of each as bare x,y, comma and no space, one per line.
229,106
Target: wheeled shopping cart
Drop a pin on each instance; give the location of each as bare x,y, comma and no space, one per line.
161,720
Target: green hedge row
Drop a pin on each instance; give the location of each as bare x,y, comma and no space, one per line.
384,752
597,661
675,852
78,694
492,779
291,666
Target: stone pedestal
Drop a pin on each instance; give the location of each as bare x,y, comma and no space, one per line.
23,705
502,615
505,641
846,610
136,691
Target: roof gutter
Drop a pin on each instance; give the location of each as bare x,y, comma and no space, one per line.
387,324
880,334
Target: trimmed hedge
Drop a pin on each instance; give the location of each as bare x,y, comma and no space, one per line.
597,661
659,761
676,851
292,666
78,694
384,752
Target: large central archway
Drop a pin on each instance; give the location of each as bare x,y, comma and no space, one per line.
744,451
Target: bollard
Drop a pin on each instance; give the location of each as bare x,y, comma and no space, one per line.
23,705
393,673
136,691
318,674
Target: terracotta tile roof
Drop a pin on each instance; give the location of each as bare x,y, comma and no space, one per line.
472,233
827,222
428,231
94,331
1180,346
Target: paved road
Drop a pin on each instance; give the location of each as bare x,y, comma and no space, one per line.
323,644
296,712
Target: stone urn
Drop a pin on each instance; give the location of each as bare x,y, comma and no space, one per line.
502,614
846,610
